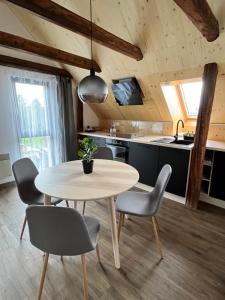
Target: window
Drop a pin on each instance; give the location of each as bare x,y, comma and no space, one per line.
183,96
191,93
37,120
34,135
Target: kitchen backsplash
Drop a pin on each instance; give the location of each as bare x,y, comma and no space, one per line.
139,127
216,131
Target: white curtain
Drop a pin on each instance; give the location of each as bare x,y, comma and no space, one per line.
34,120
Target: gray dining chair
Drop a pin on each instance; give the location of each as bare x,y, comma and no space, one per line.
62,231
143,204
102,153
25,173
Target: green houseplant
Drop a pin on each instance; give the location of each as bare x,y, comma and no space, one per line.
85,153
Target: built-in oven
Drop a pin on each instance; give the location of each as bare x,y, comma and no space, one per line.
120,149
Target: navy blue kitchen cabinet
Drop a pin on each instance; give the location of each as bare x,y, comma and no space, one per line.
145,159
179,161
217,189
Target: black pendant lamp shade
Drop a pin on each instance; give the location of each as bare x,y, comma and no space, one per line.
92,89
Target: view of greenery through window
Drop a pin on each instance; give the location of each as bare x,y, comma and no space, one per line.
34,135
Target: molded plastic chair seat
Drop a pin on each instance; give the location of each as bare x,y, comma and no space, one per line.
39,200
25,173
135,203
145,204
93,227
62,231
102,153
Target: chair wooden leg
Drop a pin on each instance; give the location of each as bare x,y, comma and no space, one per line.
85,282
84,205
124,217
98,253
157,236
67,203
157,224
43,276
121,221
24,224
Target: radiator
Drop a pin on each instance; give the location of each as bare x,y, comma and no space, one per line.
5,166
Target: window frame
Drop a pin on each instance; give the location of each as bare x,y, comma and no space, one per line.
180,96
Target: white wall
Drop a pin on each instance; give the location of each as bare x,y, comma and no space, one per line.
90,118
8,138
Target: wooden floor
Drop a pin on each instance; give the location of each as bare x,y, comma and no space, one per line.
193,267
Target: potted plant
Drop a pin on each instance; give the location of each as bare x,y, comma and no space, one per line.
86,151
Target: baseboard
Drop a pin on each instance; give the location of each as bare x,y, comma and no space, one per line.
7,180
213,201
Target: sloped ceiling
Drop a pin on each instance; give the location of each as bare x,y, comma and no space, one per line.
173,49
10,23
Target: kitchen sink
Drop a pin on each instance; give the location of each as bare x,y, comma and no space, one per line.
173,141
182,142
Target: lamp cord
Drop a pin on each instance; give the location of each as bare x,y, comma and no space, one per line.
91,33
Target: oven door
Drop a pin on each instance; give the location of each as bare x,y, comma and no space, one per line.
120,153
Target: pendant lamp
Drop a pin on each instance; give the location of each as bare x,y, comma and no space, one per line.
92,88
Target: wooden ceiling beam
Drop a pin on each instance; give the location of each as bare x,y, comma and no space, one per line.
201,15
63,17
201,134
14,62
15,42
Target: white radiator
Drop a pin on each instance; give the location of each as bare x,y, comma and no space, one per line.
5,166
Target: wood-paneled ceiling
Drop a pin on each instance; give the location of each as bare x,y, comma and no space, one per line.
172,47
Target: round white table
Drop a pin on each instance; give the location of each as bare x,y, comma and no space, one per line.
109,179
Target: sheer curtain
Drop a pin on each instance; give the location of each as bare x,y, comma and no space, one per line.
66,103
36,118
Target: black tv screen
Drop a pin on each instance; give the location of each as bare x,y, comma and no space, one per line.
127,91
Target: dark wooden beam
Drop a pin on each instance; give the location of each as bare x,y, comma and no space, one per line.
201,15
12,41
63,17
202,128
13,62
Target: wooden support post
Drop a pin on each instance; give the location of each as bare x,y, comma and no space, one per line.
9,40
57,14
202,127
13,62
201,15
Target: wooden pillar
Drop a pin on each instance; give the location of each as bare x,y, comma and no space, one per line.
202,127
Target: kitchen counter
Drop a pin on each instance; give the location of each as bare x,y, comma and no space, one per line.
215,145
149,139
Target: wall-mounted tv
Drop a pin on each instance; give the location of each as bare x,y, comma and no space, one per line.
127,91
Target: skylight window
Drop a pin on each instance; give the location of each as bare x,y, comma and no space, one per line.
191,94
183,96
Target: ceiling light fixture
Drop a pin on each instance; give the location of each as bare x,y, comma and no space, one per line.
92,88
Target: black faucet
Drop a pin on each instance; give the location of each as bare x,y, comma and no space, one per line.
178,122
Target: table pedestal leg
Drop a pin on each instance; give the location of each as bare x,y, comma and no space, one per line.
47,200
115,244
75,204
